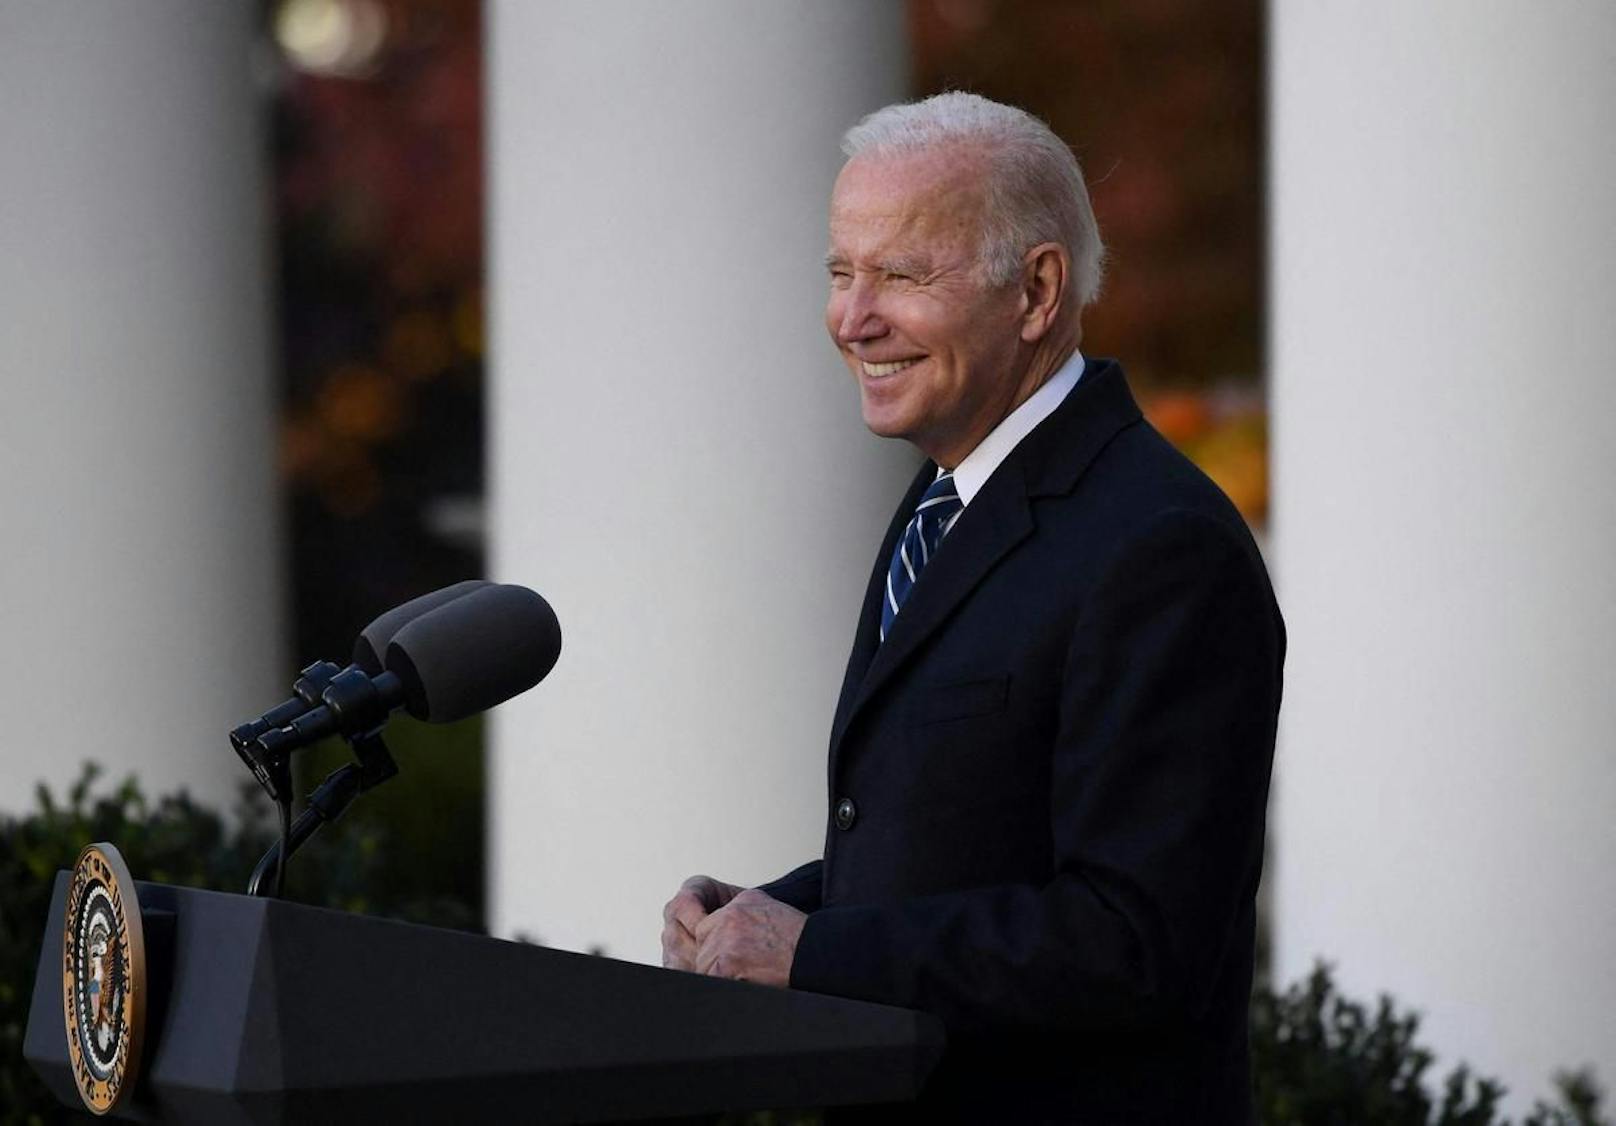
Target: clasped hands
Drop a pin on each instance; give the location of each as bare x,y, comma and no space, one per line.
718,929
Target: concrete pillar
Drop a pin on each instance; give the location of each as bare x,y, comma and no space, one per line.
139,563
1444,240
678,461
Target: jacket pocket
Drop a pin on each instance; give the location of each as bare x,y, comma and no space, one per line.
960,699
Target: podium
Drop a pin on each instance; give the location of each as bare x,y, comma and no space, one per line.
264,1011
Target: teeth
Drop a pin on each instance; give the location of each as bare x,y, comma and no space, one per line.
876,371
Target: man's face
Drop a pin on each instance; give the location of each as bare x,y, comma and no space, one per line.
935,352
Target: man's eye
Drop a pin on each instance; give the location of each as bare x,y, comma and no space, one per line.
840,278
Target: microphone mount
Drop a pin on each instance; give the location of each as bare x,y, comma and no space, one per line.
346,702
353,705
326,701
306,690
325,806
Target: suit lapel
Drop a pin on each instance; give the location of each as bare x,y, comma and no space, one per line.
984,534
1049,461
867,636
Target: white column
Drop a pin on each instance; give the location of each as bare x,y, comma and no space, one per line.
1444,345
678,461
138,561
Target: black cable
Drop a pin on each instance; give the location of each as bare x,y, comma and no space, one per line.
286,851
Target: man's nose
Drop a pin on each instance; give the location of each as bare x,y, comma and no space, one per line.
860,319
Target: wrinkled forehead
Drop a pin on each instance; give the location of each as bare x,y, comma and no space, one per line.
929,202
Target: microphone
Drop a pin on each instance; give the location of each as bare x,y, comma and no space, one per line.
480,651
371,645
367,657
463,657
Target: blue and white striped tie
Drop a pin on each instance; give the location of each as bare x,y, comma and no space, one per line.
934,516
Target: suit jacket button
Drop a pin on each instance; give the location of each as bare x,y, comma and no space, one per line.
846,813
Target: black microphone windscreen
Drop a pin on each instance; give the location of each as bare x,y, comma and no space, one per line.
370,647
475,652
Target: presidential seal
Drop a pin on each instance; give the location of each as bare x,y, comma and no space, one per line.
103,978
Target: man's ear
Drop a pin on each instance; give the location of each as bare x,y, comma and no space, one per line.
1046,273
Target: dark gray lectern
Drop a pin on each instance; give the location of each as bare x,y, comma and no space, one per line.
265,1011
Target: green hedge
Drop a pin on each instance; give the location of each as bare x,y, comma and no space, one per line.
1319,1059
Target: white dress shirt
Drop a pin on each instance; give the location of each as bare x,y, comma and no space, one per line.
973,472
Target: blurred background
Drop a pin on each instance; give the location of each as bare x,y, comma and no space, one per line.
311,306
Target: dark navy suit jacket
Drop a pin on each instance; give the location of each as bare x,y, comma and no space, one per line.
1052,779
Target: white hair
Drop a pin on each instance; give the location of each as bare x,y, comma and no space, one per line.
1034,185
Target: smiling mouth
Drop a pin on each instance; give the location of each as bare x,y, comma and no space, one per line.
877,371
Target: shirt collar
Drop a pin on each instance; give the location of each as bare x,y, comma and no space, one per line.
973,472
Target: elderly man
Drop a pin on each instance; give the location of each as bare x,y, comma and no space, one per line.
1049,763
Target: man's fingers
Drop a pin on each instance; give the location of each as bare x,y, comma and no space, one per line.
704,888
753,938
711,893
697,897
678,946
690,918
714,935
682,906
704,925
709,954
689,912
